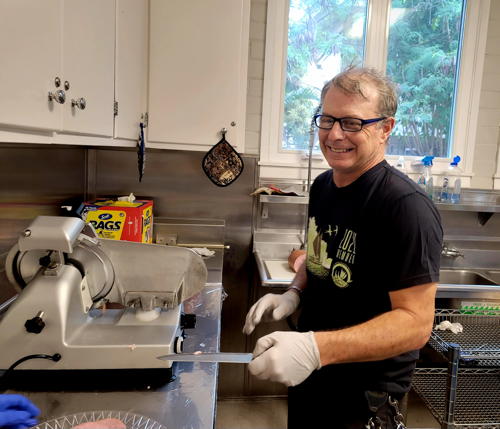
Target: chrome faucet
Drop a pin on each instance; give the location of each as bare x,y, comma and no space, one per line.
451,252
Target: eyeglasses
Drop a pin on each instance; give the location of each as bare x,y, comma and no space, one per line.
326,122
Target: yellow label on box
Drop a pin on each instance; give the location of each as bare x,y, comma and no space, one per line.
147,230
107,223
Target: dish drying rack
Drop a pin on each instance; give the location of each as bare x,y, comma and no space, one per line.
466,395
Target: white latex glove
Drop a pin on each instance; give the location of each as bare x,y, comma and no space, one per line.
271,308
285,357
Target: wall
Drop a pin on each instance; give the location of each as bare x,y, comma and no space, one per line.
487,153
180,189
36,180
256,51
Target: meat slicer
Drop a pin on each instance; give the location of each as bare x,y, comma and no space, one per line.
98,303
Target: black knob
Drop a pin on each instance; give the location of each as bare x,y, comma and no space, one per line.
188,321
35,325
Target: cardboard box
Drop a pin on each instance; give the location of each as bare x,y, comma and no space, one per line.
120,220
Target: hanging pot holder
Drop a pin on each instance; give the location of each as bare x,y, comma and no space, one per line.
222,164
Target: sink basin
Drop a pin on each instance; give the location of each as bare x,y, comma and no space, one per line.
463,277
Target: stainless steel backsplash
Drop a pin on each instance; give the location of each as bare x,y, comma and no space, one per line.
36,180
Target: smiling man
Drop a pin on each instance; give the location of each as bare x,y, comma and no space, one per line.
368,285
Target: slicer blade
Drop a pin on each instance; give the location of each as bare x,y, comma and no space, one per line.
209,357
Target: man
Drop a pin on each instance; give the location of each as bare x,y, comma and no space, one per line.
368,285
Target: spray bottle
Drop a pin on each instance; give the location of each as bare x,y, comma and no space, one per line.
425,179
451,189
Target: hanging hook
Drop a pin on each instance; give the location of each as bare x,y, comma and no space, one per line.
223,132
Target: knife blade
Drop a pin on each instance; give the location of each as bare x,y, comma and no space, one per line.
220,357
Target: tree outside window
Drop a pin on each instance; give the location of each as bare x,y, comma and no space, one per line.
326,36
423,57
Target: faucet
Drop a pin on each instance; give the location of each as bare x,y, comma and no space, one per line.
451,252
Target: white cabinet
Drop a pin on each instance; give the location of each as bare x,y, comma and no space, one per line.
88,65
185,63
68,39
197,72
131,66
30,52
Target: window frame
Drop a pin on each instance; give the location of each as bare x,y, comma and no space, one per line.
276,163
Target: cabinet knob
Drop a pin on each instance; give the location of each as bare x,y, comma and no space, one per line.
58,96
80,103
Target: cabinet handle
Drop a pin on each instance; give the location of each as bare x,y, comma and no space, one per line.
80,103
58,96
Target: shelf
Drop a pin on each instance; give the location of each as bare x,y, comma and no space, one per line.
479,342
476,401
284,199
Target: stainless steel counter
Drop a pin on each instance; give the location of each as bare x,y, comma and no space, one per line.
187,402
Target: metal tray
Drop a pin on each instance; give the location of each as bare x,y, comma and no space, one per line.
131,420
480,340
477,396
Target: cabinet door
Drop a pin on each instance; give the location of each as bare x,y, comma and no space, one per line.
131,65
198,69
30,41
88,65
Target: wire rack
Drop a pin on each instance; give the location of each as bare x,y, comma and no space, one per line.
130,420
479,342
477,399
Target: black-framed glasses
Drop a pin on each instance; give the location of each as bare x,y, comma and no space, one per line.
326,122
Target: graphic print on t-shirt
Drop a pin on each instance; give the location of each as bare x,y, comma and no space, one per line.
331,251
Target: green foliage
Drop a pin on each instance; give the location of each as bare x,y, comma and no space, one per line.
422,59
317,30
423,48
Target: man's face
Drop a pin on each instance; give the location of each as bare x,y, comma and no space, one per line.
350,154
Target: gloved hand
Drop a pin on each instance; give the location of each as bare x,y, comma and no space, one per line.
17,412
285,357
271,308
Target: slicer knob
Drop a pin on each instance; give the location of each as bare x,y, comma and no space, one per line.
35,325
188,321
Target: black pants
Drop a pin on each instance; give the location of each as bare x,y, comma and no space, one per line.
313,405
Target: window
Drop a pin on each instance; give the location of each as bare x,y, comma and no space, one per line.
418,42
323,38
423,59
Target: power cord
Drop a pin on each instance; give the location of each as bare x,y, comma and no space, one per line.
55,357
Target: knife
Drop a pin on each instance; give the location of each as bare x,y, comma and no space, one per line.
209,357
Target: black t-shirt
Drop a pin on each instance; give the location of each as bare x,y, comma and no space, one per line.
379,234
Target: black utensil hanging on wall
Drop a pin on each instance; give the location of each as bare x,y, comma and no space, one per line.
222,164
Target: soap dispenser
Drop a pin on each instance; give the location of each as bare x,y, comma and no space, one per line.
425,179
451,189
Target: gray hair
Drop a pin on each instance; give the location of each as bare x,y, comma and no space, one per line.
354,79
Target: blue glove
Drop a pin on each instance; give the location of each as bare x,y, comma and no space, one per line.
17,412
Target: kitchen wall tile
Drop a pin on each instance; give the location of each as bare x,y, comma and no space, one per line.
493,45
254,105
490,99
488,117
253,122
486,152
258,11
252,142
257,30
487,136
255,87
490,80
491,63
257,49
481,182
255,68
